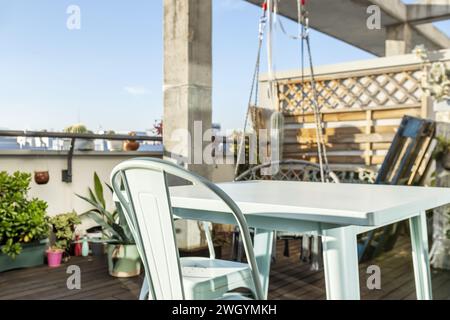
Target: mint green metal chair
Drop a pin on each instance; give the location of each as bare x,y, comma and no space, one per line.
141,187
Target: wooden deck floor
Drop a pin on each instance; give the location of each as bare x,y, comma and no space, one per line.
290,279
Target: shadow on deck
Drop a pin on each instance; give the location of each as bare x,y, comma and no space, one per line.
290,279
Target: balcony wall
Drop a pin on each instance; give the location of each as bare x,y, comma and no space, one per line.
61,196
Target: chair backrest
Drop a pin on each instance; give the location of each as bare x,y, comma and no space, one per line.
286,170
409,154
142,189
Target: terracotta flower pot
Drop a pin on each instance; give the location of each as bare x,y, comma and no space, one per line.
131,145
41,177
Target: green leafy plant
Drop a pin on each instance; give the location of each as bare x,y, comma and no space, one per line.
21,220
57,247
437,75
63,226
112,222
77,128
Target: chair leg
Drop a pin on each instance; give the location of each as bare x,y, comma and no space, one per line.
207,226
240,249
315,253
381,241
234,245
143,295
306,254
274,247
365,253
419,241
263,253
390,244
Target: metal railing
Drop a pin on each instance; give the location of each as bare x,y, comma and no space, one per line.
67,173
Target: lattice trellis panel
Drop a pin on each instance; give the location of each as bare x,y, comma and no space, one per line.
388,89
361,112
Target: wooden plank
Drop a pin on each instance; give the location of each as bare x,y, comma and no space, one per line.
378,114
338,160
299,113
427,107
364,138
308,147
327,117
395,113
309,132
368,145
346,124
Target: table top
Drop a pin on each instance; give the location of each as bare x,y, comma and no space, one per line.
353,204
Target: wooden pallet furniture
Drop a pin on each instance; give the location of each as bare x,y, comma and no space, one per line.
406,163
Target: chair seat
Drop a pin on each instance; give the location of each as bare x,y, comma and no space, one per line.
205,278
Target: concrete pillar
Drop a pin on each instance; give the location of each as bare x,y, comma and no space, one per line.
399,40
441,243
187,92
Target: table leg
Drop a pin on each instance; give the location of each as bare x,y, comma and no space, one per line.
143,295
419,242
340,257
263,243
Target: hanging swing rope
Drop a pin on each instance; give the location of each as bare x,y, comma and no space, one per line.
254,89
321,146
270,15
303,36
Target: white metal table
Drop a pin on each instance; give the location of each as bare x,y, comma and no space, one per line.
337,212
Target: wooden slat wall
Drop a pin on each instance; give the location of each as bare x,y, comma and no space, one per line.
361,113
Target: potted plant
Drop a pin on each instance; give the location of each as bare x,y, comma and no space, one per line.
81,144
54,256
96,242
23,224
114,145
63,227
123,256
158,128
131,145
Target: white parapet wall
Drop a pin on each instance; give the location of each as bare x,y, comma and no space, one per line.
61,196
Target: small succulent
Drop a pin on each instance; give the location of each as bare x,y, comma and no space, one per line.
64,228
77,128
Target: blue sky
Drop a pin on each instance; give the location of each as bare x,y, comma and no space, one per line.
109,73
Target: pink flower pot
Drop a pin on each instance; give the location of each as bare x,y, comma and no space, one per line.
54,258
